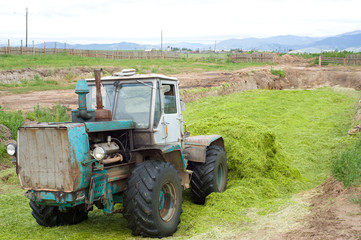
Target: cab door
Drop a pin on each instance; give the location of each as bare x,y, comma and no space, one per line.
173,119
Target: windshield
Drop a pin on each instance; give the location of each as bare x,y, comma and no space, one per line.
107,96
134,103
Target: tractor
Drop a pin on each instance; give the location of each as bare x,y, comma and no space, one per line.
127,143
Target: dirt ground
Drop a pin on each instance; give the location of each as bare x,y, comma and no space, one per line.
326,212
333,214
297,77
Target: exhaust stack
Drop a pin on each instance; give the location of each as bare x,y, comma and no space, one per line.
100,113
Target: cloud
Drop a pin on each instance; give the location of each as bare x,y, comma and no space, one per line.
115,21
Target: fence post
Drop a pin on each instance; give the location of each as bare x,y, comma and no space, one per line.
344,61
65,47
55,47
21,48
319,61
33,48
8,46
44,48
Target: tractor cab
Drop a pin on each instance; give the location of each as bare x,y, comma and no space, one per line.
151,101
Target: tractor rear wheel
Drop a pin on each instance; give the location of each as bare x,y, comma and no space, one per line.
50,216
210,176
153,199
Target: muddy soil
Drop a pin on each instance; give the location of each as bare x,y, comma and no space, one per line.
334,214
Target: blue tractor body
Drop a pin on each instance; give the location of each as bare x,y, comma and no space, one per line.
133,150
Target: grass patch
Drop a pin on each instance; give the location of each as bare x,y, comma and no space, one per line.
37,84
58,113
279,73
169,66
12,120
347,167
356,199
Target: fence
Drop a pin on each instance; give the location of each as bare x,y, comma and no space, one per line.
348,60
253,57
109,54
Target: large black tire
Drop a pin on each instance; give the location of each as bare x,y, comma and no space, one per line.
210,176
50,216
153,199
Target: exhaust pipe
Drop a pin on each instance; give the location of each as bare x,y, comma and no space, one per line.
82,90
100,113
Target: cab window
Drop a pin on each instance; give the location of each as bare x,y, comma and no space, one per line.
169,98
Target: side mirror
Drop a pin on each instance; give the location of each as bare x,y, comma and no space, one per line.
183,105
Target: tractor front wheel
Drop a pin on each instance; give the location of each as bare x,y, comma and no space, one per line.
50,216
153,199
210,176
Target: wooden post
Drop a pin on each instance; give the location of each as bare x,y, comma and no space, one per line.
319,61
8,46
21,48
344,61
33,48
44,48
55,47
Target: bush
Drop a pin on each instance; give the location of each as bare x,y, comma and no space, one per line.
280,73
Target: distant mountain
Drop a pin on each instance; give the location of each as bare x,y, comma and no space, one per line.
111,46
277,43
350,41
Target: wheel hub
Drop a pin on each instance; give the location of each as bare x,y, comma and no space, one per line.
220,177
167,201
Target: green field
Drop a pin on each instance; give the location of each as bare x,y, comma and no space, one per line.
278,143
169,66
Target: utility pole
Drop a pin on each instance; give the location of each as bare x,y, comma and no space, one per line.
161,41
26,43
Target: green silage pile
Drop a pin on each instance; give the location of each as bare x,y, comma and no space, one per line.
259,169
278,143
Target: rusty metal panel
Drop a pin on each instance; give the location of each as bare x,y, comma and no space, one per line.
205,140
44,159
195,153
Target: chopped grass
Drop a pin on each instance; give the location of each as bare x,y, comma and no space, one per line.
277,142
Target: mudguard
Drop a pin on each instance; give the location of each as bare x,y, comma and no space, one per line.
196,147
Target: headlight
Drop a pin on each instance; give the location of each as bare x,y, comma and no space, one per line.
99,153
11,149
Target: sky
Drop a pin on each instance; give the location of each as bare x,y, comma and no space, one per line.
201,21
